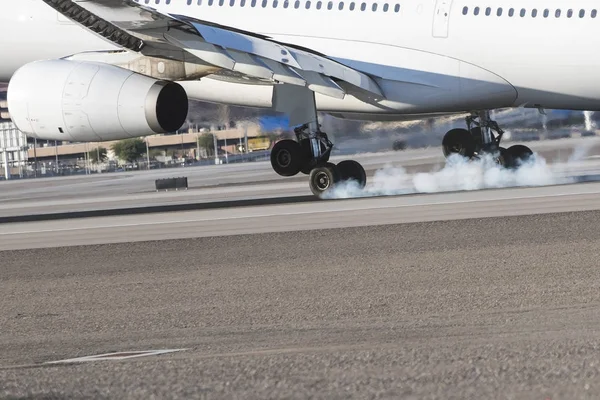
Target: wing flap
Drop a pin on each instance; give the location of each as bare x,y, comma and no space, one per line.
246,64
245,43
283,73
143,29
322,84
298,59
199,48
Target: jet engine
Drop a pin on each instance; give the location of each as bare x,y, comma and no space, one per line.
87,101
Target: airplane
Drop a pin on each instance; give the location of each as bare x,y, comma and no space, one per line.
96,70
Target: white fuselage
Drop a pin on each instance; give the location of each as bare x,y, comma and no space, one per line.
430,54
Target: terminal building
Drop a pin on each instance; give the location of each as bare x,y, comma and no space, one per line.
180,146
13,144
13,150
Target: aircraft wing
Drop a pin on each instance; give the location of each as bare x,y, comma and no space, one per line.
143,29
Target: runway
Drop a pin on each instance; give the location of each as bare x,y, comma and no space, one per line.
463,294
306,214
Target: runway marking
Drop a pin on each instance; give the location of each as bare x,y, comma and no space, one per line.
187,221
115,356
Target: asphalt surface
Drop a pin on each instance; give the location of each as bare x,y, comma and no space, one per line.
466,295
487,308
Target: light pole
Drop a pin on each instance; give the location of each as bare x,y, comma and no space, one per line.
98,157
147,154
86,157
35,156
56,154
215,148
246,137
197,147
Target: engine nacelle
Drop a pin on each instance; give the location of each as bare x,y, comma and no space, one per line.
86,101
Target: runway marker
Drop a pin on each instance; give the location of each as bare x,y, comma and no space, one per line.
123,355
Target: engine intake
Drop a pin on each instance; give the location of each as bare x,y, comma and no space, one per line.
87,101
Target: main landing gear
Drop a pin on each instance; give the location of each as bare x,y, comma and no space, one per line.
483,136
309,154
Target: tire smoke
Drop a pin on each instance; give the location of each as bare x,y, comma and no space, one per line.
458,174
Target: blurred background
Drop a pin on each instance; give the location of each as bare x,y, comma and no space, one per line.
216,134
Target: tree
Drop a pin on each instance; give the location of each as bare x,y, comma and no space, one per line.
97,155
207,142
129,150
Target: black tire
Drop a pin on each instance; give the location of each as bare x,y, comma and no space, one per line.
459,141
352,170
518,155
323,177
287,157
504,159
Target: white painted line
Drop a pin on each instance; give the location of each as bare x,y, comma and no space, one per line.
123,355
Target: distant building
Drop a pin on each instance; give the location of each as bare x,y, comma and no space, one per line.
4,116
13,150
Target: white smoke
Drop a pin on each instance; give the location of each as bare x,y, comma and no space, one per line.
389,180
582,151
458,174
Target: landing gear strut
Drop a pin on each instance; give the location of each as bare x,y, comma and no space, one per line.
309,154
483,136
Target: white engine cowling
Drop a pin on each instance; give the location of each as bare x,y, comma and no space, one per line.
86,101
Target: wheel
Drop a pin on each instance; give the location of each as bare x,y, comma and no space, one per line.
459,141
352,170
287,157
504,159
519,154
323,177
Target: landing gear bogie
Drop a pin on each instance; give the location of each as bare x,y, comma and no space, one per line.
483,136
310,155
